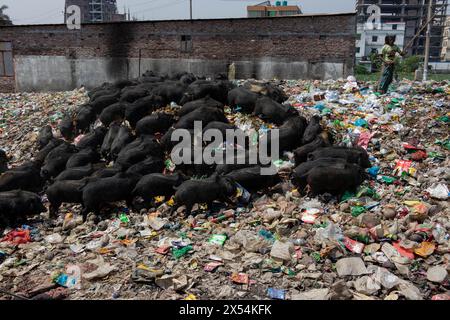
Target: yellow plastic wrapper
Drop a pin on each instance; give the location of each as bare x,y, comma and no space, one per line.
171,202
411,203
425,249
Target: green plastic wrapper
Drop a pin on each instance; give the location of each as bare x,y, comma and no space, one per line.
123,217
178,253
316,256
218,239
356,211
387,180
347,195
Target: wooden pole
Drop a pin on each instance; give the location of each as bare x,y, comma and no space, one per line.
427,43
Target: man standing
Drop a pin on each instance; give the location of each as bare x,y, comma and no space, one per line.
388,54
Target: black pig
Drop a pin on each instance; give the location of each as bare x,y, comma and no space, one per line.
79,173
15,205
204,102
138,150
45,136
203,114
109,139
84,117
335,181
353,155
149,165
117,188
56,160
93,139
82,158
272,111
25,177
3,161
157,184
204,191
114,112
157,122
124,137
312,130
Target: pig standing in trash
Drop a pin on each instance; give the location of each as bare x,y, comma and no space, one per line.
56,160
300,173
117,188
204,191
16,205
105,149
25,177
352,155
157,184
194,105
83,158
65,191
272,111
78,173
335,181
45,136
3,161
301,153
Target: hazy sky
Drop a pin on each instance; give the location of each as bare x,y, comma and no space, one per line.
51,11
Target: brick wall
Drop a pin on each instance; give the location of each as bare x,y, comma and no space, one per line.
6,84
326,38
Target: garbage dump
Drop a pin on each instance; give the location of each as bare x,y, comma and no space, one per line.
93,206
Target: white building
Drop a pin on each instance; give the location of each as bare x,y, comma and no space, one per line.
445,55
369,41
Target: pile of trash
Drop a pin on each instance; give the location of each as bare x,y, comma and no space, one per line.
387,241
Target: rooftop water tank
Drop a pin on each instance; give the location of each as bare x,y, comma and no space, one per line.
285,3
278,3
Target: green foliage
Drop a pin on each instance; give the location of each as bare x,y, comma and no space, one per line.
361,69
410,64
4,18
376,60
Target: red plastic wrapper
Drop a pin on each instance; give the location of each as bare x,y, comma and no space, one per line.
211,266
17,236
241,278
403,251
442,296
419,155
298,252
408,146
404,167
353,246
162,250
364,139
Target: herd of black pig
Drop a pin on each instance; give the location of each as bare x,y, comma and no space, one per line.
134,134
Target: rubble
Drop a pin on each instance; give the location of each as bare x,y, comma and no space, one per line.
388,241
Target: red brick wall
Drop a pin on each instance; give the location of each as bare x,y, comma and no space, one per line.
328,38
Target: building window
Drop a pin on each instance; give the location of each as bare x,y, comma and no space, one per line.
394,27
374,38
358,36
6,60
358,50
186,43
